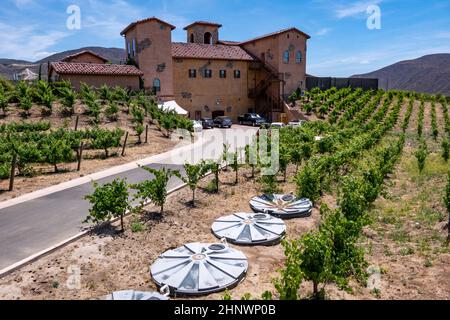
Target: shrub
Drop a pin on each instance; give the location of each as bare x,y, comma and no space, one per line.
25,103
155,190
68,98
445,148
194,173
105,139
288,284
44,95
315,258
4,100
112,111
108,201
56,151
421,154
308,183
269,184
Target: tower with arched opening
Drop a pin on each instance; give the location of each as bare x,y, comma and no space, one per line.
202,32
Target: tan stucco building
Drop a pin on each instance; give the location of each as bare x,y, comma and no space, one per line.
210,77
94,70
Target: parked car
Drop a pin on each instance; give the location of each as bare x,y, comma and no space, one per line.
197,126
277,125
223,122
252,119
207,123
297,123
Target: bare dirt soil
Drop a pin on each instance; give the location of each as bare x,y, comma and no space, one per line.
406,240
93,160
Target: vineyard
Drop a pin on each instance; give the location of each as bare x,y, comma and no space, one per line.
375,165
47,128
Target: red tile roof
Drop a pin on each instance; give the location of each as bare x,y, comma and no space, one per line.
95,69
68,58
132,25
203,23
207,51
275,34
228,43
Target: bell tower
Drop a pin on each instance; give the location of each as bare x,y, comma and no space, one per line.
202,32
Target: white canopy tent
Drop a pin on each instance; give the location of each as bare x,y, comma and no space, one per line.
173,105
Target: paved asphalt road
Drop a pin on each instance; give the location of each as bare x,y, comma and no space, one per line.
35,225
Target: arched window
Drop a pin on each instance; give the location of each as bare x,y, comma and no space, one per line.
299,57
286,56
156,85
208,38
192,38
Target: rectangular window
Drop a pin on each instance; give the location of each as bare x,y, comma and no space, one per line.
237,74
286,56
134,47
223,74
192,73
207,73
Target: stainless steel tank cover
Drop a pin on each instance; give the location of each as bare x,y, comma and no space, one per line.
250,229
282,206
199,268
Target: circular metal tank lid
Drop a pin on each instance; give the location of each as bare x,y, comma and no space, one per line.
284,206
128,295
200,268
250,229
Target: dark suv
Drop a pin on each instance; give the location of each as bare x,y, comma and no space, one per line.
207,123
223,122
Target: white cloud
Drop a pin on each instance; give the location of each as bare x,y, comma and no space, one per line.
442,35
323,32
26,42
354,9
22,3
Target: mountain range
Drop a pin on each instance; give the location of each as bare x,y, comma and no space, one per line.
8,67
428,74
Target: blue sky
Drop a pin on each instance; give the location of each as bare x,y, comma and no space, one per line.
341,43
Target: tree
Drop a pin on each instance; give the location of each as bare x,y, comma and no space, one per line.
56,151
269,184
421,154
68,100
308,183
445,149
291,275
45,96
26,103
105,139
447,204
315,258
226,155
3,100
111,111
108,201
106,94
194,173
214,167
235,165
251,157
284,160
155,189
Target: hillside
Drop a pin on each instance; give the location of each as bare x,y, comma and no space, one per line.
10,66
428,74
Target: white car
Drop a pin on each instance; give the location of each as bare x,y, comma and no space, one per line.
198,127
298,123
278,125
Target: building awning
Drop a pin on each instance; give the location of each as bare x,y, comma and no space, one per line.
173,106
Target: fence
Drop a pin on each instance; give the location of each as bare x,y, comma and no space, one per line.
339,83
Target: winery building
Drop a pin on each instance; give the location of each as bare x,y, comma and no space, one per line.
211,77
